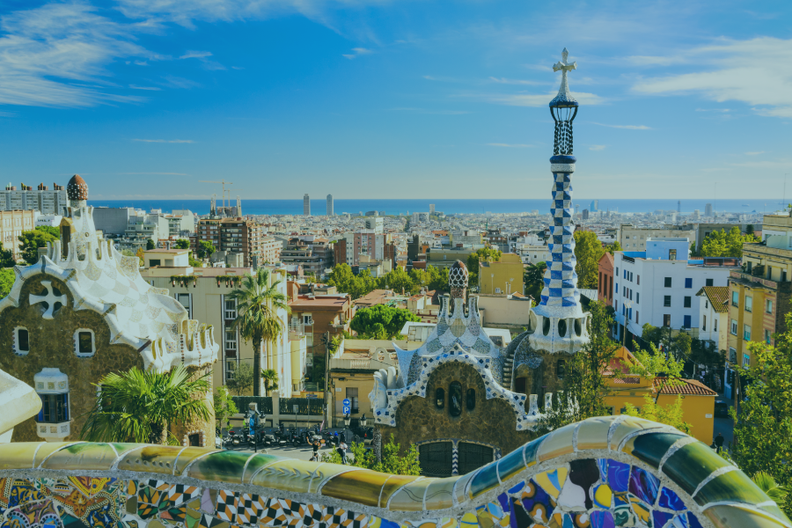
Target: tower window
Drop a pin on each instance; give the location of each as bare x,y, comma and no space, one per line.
455,399
21,341
560,369
440,398
471,399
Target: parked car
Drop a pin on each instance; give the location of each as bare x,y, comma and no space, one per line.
721,409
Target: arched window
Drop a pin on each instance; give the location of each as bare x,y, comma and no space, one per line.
455,398
470,400
562,327
440,398
560,369
84,342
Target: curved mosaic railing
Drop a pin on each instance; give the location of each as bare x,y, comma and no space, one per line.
600,473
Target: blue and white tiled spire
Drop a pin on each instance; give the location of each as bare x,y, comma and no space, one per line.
561,323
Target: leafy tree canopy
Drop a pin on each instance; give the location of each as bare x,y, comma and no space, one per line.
242,380
224,407
397,280
381,321
7,258
763,423
723,244
7,277
205,249
534,280
54,231
32,240
392,462
182,243
588,251
270,379
150,244
613,248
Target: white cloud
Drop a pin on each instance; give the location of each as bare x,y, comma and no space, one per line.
45,52
626,127
196,55
357,52
597,147
164,140
503,80
756,153
150,88
510,145
754,72
542,100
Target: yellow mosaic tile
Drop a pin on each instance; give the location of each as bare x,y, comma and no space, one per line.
82,456
287,475
410,497
392,485
593,434
627,426
151,459
223,466
558,443
324,472
447,522
469,520
18,455
733,516
440,494
552,481
364,486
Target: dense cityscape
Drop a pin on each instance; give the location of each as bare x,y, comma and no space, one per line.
231,363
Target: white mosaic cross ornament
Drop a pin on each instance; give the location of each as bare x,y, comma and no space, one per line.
565,68
50,298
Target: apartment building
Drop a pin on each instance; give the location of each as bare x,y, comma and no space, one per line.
314,255
12,224
42,199
503,277
316,315
633,238
658,286
204,292
605,284
759,293
233,235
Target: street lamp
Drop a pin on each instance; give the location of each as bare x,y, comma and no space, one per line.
347,419
363,421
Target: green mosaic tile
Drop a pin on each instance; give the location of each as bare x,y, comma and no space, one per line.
82,456
484,480
440,493
732,486
223,466
651,447
410,497
691,464
392,485
732,516
628,426
593,434
255,463
530,450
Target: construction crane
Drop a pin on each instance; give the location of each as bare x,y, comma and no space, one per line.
223,183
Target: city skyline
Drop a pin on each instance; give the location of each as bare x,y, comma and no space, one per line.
689,99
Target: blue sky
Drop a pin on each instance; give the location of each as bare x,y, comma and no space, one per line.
395,98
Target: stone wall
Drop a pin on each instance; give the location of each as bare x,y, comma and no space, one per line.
602,472
491,422
52,345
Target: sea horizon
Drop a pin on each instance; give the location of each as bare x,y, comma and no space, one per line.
453,206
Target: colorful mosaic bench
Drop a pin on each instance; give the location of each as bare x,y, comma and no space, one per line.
600,473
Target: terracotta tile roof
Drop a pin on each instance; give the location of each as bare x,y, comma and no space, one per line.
684,386
718,296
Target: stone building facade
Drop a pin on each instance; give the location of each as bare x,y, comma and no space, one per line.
83,311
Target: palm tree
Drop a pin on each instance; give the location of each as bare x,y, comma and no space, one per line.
270,378
767,483
534,279
258,303
138,406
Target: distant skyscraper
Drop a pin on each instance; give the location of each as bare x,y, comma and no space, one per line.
585,214
708,210
307,205
330,211
431,208
679,206
594,206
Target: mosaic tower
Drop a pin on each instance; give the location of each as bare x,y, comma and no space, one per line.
561,324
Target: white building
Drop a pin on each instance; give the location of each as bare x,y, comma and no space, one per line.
330,211
658,286
306,205
533,253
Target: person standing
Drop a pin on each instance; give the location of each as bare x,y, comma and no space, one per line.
719,443
342,449
315,457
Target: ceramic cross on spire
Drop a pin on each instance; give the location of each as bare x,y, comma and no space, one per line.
565,67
